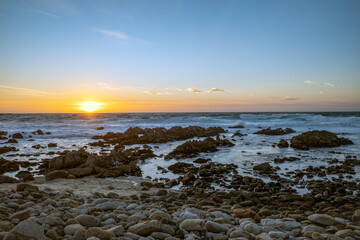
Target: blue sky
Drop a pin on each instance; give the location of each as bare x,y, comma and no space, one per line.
265,55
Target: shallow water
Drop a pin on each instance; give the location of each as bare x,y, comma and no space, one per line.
72,131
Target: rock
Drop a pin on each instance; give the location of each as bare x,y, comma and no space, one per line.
240,234
193,148
25,176
52,145
252,228
52,221
69,160
21,215
26,230
8,166
181,167
81,172
344,233
117,230
99,233
159,215
17,136
245,213
100,128
108,206
6,226
38,132
7,149
88,221
311,139
263,167
192,225
283,144
313,228
160,235
56,174
72,229
146,228
323,219
26,187
278,131
215,227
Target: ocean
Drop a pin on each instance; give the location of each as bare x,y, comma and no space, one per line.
73,131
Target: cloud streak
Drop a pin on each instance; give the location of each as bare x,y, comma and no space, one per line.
309,82
24,91
156,93
194,90
216,90
116,34
288,98
329,84
34,10
107,86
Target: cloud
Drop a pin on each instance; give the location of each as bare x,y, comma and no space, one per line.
107,86
34,10
321,92
156,93
216,90
288,98
329,84
23,91
309,82
119,35
194,90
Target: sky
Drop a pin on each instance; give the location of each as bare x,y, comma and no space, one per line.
179,56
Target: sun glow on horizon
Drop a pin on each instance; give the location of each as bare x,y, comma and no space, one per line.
90,106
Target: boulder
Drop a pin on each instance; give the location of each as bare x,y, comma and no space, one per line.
8,166
214,227
7,149
69,160
181,167
87,220
56,174
193,225
146,228
244,213
99,233
263,167
283,144
26,230
7,179
312,139
17,136
25,176
322,219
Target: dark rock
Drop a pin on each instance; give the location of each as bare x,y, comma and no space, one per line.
8,166
25,176
38,132
52,145
237,126
283,144
69,159
7,149
311,139
17,136
7,179
263,167
181,167
137,135
278,131
3,133
100,128
285,159
192,148
56,174
202,160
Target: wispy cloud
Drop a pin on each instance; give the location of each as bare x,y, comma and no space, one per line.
194,90
321,92
216,90
288,98
107,86
116,34
309,82
329,84
156,93
23,91
37,11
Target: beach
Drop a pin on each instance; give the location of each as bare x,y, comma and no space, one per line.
180,176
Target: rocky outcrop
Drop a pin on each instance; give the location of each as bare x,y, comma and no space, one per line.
278,131
17,136
193,148
7,179
283,144
286,159
263,168
181,167
8,166
69,160
7,149
136,135
315,139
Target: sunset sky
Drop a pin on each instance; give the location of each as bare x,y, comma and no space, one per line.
151,56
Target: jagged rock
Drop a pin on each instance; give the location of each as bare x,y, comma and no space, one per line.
8,166
69,160
181,167
285,159
283,144
278,131
7,179
311,139
192,148
7,149
263,167
17,136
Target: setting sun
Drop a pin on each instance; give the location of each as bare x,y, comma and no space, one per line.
90,106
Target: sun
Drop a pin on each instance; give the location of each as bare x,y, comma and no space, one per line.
90,106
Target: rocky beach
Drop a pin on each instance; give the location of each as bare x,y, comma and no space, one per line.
180,176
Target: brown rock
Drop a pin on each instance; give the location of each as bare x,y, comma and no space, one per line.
245,213
278,131
56,174
283,144
7,149
8,166
7,179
